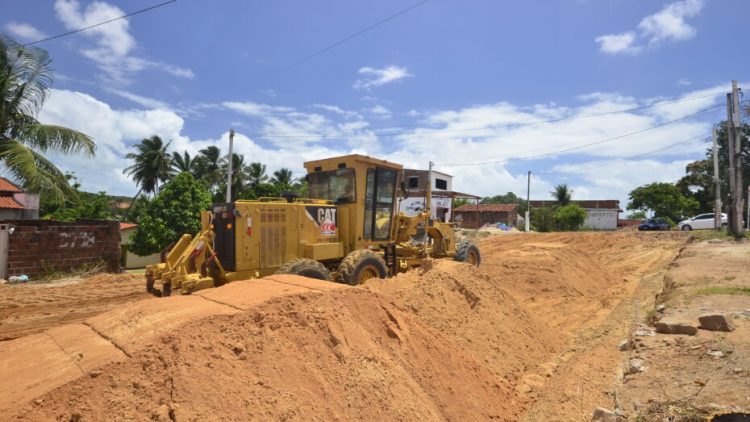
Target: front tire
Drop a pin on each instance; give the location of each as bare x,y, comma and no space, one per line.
360,266
686,228
468,252
306,268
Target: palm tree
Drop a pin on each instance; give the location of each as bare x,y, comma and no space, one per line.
283,178
184,163
256,174
239,170
208,166
562,194
25,78
152,165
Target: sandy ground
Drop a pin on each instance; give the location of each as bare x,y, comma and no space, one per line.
31,308
531,334
703,374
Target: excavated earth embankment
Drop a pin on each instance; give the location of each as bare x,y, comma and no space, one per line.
451,342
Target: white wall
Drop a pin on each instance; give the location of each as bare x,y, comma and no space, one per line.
132,260
447,177
414,205
600,219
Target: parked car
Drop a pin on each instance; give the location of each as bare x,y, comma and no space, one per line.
701,221
654,224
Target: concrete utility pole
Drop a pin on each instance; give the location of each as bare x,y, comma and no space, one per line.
717,181
527,217
229,166
428,190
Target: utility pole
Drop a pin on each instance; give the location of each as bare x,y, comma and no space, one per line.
528,203
428,191
735,161
738,204
230,159
717,181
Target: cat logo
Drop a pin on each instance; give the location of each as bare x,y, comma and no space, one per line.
324,218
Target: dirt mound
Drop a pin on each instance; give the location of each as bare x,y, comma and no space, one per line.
34,307
471,307
345,354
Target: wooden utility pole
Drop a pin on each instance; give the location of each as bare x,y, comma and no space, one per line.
717,181
739,185
736,187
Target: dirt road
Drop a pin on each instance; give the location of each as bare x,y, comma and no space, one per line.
530,334
34,307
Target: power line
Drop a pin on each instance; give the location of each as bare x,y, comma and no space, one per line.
339,42
634,157
386,131
75,31
529,157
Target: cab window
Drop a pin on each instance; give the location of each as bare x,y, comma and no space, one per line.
335,185
380,188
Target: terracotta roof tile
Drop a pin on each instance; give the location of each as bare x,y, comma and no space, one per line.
7,186
125,226
6,202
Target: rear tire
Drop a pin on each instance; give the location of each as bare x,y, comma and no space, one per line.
360,266
468,252
166,289
149,284
686,228
306,268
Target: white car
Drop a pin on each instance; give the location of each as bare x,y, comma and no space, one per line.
701,221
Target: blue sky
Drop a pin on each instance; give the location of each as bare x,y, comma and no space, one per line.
439,83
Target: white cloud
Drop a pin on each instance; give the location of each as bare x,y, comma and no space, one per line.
618,43
374,77
669,24
138,99
283,136
666,25
24,31
684,82
380,111
113,52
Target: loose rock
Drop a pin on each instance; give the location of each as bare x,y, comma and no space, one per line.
675,327
635,366
716,322
603,415
624,346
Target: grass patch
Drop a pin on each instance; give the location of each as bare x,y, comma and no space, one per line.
136,271
723,290
51,274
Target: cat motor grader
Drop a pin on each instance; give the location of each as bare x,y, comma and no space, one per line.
349,231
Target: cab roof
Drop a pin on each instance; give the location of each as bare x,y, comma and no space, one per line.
348,161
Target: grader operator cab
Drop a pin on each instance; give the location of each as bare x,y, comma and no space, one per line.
349,231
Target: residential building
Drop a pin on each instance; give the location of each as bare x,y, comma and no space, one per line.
416,182
600,214
129,259
15,204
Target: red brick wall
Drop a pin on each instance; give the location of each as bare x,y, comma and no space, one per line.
37,246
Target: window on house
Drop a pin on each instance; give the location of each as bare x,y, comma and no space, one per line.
441,184
413,182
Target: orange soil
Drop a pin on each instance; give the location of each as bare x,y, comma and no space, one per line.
32,308
454,343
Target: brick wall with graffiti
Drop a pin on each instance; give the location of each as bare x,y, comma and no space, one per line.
39,246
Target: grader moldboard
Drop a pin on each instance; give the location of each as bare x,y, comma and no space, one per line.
351,232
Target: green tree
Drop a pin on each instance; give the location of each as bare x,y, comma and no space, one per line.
570,217
282,178
153,164
209,167
255,174
543,219
663,199
637,215
184,162
173,212
239,172
25,79
508,198
562,194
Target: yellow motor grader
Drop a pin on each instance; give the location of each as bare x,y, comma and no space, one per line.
349,231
